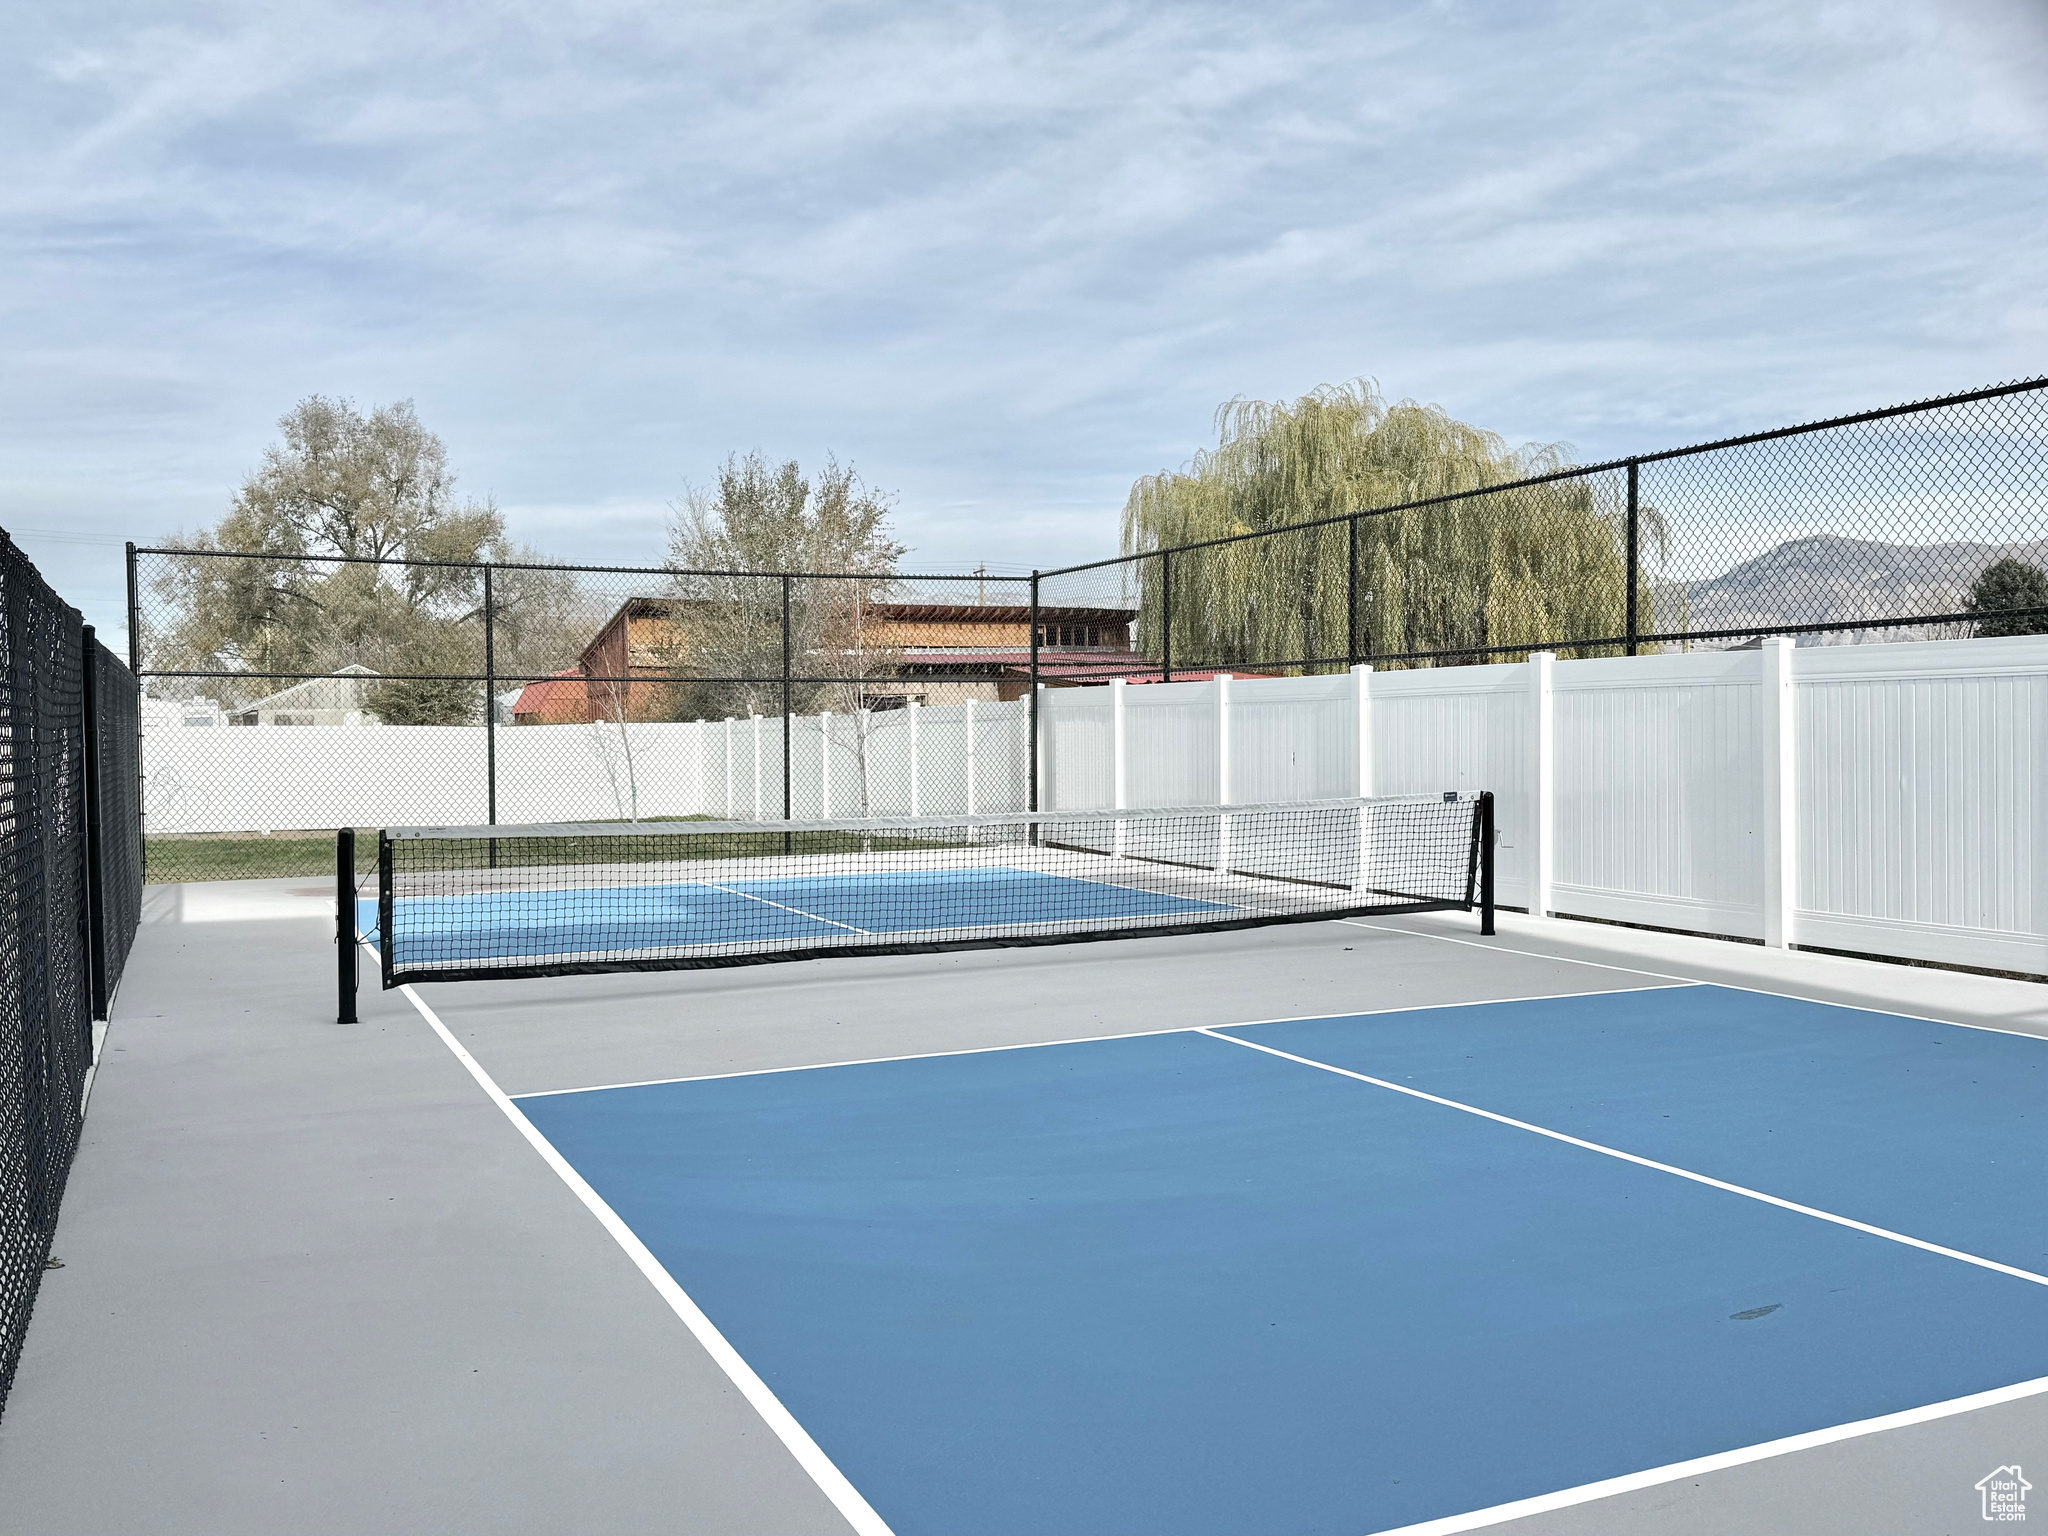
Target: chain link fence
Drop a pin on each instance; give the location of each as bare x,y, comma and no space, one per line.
70,871
289,695
1878,526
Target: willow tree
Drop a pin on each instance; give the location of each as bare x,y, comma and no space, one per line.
1527,565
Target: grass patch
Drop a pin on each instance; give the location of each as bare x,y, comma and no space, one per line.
251,856
414,857
271,856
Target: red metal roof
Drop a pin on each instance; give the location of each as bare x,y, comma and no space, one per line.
537,698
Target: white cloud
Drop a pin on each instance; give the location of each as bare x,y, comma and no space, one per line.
1005,260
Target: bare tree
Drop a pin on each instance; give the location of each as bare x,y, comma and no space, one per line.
730,546
344,486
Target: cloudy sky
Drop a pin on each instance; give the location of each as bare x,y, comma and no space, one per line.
1002,259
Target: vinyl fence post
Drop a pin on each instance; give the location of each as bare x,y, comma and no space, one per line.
1119,763
916,800
1778,737
759,812
1037,760
1541,786
970,758
1635,560
1223,785
1361,716
731,779
345,922
825,766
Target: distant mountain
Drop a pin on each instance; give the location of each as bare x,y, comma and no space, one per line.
1826,579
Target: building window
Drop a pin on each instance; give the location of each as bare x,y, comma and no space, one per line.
1070,634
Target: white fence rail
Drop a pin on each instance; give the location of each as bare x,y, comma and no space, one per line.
1884,799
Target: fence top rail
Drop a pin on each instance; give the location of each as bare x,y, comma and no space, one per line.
650,677
508,832
285,558
1571,472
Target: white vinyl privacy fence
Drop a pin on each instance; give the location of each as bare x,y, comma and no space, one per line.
1883,799
903,762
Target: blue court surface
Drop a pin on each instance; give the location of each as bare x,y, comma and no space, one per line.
504,925
1179,1283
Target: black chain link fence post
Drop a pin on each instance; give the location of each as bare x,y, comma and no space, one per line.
1165,617
95,869
1634,540
490,708
1351,594
788,706
1031,798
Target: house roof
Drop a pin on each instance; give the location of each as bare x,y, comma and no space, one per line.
304,693
536,698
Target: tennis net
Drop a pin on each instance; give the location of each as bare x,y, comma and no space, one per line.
504,901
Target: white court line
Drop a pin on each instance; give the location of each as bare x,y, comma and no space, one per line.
713,885
830,1480
1732,986
1642,1162
1035,1045
1607,1488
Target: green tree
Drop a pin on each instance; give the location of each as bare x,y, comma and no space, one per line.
344,486
1534,565
2005,585
727,620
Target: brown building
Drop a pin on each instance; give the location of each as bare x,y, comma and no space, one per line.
940,653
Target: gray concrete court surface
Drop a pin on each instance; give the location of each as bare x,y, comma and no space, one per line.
316,1281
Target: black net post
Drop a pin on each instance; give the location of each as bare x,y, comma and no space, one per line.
1486,863
1635,557
345,922
384,906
